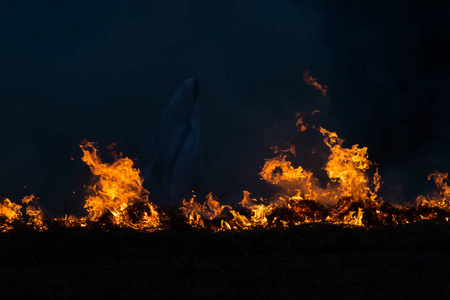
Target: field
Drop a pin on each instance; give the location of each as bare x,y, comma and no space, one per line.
309,262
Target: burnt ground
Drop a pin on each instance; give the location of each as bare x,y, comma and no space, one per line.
305,262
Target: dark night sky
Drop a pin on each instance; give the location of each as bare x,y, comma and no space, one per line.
104,70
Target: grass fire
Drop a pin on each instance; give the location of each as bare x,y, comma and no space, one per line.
332,225
116,197
224,150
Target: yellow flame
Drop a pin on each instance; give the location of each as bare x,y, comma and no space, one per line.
349,196
117,189
34,213
196,212
348,167
441,197
9,212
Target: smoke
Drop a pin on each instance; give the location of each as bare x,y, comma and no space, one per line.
106,71
387,69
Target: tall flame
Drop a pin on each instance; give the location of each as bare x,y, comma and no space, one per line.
347,196
348,167
117,191
351,191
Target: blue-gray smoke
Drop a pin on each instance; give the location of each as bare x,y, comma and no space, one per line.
105,70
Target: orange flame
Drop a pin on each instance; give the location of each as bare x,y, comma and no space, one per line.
196,212
440,198
313,82
300,123
34,213
10,213
348,196
117,191
348,167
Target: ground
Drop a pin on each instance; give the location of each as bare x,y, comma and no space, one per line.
308,262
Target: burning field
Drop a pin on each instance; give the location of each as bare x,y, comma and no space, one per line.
348,195
317,236
118,199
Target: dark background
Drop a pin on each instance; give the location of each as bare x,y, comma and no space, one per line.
105,70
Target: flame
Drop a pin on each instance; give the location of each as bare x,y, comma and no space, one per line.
348,167
196,213
9,213
118,193
279,171
350,193
313,82
34,213
259,211
348,196
300,123
439,200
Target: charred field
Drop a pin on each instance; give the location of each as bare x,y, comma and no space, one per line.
317,260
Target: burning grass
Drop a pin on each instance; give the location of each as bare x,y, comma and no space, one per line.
349,195
312,240
116,198
214,217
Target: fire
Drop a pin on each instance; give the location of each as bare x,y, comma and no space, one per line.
313,82
300,123
348,167
212,214
34,213
9,213
279,171
196,212
441,197
347,196
259,212
252,214
350,192
117,195
117,198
